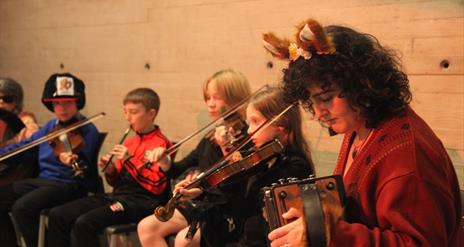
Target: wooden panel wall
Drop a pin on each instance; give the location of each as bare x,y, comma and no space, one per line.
110,44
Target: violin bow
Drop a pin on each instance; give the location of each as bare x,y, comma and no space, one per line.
222,116
51,135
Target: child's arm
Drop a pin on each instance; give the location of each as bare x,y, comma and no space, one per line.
111,173
16,159
120,153
151,178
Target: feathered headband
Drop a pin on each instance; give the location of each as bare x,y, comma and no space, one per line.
310,37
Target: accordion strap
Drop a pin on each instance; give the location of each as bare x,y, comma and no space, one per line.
314,216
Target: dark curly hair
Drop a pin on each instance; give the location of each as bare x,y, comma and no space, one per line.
368,75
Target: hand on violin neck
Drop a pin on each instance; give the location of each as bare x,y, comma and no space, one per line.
67,158
192,175
159,155
188,194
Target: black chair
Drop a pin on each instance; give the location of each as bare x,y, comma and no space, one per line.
122,232
98,188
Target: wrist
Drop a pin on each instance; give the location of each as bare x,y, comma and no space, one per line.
166,165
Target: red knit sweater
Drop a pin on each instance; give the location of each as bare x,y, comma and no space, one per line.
402,187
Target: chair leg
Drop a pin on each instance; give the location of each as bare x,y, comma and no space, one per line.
19,236
119,240
43,224
112,240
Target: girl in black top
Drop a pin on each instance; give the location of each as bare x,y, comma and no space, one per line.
222,91
242,199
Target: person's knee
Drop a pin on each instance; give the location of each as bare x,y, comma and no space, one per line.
149,226
143,227
55,215
18,209
86,231
84,224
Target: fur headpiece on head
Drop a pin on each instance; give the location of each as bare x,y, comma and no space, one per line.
310,39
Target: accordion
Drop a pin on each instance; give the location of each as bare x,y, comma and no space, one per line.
306,195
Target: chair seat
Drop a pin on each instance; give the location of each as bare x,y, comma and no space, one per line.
126,228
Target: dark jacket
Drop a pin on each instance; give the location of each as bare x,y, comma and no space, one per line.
237,215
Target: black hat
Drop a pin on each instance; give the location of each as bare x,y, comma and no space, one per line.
61,87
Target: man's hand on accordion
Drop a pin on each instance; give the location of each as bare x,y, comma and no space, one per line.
292,234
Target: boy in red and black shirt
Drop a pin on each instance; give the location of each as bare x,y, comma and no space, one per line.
137,189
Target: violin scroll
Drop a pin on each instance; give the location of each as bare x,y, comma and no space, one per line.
164,213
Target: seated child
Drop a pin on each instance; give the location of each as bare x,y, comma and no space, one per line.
56,183
137,189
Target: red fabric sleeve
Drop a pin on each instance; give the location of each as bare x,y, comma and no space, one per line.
418,219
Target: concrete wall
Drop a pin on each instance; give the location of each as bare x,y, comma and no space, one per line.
173,45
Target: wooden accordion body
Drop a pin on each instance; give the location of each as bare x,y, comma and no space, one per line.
307,195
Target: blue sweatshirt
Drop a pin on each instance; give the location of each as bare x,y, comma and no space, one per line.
50,166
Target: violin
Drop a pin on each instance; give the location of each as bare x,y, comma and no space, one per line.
223,173
51,135
243,167
69,142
